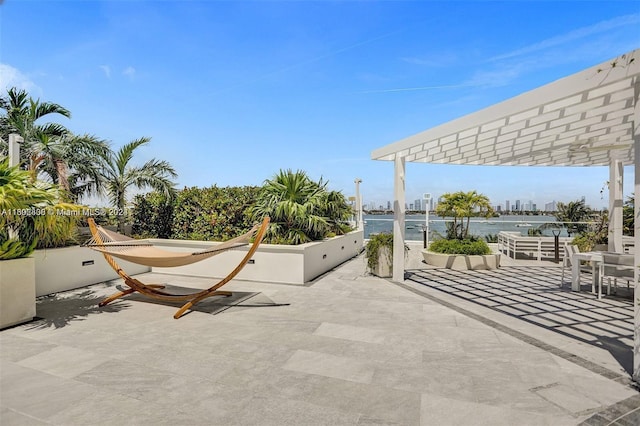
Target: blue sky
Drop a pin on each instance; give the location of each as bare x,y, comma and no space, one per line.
231,92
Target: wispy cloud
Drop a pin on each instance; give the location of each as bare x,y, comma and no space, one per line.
580,33
12,77
129,72
107,70
440,60
415,89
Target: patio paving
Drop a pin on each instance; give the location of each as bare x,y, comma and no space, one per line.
348,349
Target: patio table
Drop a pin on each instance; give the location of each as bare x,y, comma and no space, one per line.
595,257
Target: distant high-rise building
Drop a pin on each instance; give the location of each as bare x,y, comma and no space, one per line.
551,207
507,206
534,207
517,205
417,204
388,205
411,206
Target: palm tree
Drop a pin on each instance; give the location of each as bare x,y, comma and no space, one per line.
571,214
119,176
295,205
462,205
72,161
22,116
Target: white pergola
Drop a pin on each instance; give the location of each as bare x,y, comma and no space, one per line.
591,118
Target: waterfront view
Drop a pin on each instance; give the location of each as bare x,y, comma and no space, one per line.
414,225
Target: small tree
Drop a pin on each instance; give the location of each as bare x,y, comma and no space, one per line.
461,206
120,176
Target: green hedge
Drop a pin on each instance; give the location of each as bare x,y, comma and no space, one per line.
208,214
468,246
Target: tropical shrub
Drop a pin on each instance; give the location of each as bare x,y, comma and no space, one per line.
376,243
152,215
208,214
213,214
300,209
469,246
32,214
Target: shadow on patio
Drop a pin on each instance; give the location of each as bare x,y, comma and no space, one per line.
532,294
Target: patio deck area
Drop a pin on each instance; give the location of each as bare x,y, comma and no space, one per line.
500,348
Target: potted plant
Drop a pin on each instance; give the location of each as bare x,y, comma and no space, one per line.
379,254
28,210
460,250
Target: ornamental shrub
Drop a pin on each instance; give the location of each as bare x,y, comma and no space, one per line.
467,246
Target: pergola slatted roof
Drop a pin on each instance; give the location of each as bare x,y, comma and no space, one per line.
585,119
591,118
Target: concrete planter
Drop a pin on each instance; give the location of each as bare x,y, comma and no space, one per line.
460,262
384,267
67,268
17,291
272,262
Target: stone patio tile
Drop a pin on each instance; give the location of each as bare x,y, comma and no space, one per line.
14,418
438,410
376,403
273,411
330,365
64,361
38,395
16,348
108,408
348,332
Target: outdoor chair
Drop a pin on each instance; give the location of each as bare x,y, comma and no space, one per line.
615,265
567,262
111,244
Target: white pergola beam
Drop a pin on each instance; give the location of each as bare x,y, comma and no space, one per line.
616,176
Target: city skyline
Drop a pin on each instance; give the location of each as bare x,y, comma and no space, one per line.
509,205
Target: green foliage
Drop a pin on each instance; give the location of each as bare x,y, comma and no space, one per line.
32,214
571,214
373,247
627,216
152,215
462,206
119,175
534,232
300,209
466,246
491,238
213,214
207,214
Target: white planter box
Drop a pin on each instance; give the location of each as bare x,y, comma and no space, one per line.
383,268
460,262
271,263
67,268
17,291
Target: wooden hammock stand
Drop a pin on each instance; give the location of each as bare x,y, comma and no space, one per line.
145,254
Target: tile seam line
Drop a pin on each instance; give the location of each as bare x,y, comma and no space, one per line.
575,359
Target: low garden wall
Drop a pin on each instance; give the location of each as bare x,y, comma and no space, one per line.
271,263
67,268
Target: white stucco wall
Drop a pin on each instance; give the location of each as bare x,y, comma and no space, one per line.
271,263
66,268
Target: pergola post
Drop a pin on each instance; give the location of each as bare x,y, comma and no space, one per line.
398,218
636,230
616,171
